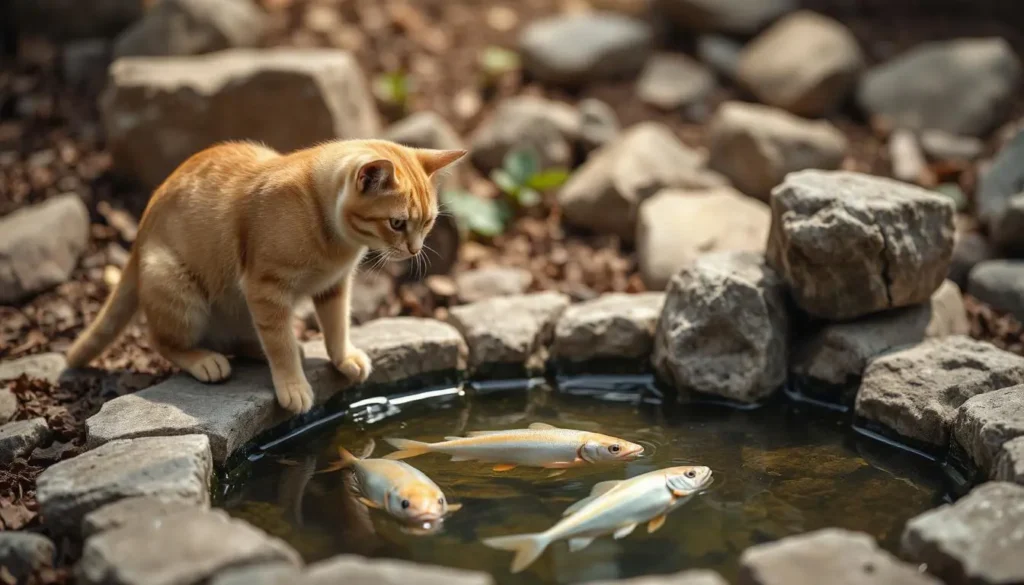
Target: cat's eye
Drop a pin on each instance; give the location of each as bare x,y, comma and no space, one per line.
397,224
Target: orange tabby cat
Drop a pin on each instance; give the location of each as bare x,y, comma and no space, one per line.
239,233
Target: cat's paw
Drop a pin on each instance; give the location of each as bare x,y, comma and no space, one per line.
295,396
210,367
355,365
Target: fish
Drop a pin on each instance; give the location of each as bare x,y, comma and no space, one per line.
614,507
539,445
395,487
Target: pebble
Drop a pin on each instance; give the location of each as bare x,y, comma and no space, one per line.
908,163
42,366
943,146
193,27
20,438
25,554
672,81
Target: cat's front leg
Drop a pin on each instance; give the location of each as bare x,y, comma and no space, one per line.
332,310
272,316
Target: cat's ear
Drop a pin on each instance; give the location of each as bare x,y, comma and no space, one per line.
375,176
435,160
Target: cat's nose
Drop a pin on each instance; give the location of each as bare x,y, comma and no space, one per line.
414,249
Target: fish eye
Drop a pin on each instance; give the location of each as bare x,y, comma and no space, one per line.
614,448
691,474
440,501
397,224
405,504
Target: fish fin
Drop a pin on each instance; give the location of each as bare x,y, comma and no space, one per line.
526,546
332,467
347,459
578,544
454,507
575,507
460,458
406,448
539,426
563,464
368,449
368,503
556,473
624,531
604,487
656,523
478,434
504,467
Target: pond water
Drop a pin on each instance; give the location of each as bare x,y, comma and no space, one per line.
779,470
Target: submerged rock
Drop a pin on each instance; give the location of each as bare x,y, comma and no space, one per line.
987,422
24,554
193,27
20,438
849,244
612,326
724,329
546,127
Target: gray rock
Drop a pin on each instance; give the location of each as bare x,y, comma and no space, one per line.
188,547
969,250
65,19
999,283
273,573
691,577
806,63
485,283
943,146
193,27
369,293
85,61
8,405
721,53
355,569
905,156
1010,462
158,111
985,423
1006,231
506,333
757,146
672,80
23,554
424,130
733,16
831,555
998,196
724,328
980,78
850,244
828,364
122,512
548,128
40,245
42,366
604,194
163,467
614,325
577,49
403,348
19,438
599,125
975,541
915,392
676,226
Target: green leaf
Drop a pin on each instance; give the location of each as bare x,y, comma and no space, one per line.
548,179
505,181
497,61
528,197
482,216
521,165
392,87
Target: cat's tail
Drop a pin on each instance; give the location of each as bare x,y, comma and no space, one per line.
526,546
115,315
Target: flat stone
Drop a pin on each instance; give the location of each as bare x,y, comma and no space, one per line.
23,554
509,332
850,244
756,146
158,111
273,573
599,125
612,326
40,245
999,283
355,569
176,468
969,250
19,438
65,19
998,196
828,363
724,328
1010,462
805,63
975,541
408,347
691,577
915,392
826,556
577,49
42,366
604,194
677,226
193,27
980,78
985,423
188,547
546,127
122,512
721,53
485,283
732,16
943,146
671,81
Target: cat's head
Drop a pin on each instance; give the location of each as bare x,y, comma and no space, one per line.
389,200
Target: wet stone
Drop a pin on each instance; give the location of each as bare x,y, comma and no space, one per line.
23,554
122,512
612,326
828,364
976,541
987,422
915,392
355,569
20,438
187,547
485,283
1000,284
826,556
509,334
692,577
1010,461
43,366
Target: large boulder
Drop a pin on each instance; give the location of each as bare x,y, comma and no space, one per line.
732,16
604,194
850,244
979,79
158,111
1000,197
987,422
40,245
1000,284
724,329
548,128
193,27
805,63
914,393
756,146
676,226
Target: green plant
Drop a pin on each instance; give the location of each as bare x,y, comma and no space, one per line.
480,215
393,88
496,61
522,179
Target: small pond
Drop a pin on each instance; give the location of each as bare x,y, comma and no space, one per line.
782,469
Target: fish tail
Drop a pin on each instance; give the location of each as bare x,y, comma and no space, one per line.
526,546
347,459
406,448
